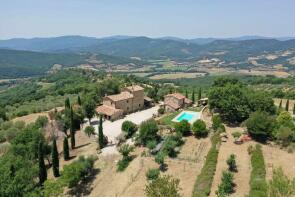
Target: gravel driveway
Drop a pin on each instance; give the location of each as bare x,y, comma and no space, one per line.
113,129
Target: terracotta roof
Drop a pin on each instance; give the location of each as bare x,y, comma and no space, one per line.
188,101
173,105
176,95
103,109
134,88
122,96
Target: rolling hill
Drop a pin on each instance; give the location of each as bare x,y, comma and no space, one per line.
17,63
73,50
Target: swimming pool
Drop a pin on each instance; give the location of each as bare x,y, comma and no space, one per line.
190,116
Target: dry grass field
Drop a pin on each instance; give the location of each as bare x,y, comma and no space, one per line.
33,117
132,181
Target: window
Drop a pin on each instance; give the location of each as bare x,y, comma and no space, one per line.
127,101
139,105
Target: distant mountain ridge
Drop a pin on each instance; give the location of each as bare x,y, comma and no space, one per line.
68,43
37,55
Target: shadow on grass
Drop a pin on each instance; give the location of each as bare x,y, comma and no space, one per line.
84,188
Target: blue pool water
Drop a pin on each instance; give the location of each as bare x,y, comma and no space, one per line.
185,116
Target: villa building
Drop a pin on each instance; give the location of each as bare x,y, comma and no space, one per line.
176,101
131,99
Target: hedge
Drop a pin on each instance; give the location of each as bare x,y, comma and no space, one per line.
258,185
204,181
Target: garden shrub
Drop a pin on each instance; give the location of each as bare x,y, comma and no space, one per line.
148,131
152,174
129,128
151,144
226,186
199,128
78,170
183,127
125,149
161,110
231,162
236,134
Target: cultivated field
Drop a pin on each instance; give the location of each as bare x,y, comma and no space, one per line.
176,75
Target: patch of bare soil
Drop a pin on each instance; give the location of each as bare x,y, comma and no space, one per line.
85,146
242,177
275,157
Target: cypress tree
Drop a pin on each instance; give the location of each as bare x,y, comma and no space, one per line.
100,133
42,167
280,106
287,105
294,109
193,96
200,94
72,131
66,149
79,100
55,160
67,103
186,94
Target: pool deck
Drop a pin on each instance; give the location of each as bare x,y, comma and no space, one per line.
196,116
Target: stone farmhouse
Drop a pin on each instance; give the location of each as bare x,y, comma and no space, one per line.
176,101
131,99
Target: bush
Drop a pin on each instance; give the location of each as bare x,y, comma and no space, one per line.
161,110
129,128
164,186
78,170
22,113
204,181
236,134
258,185
285,135
41,121
260,125
169,146
221,129
183,127
160,159
89,130
216,122
231,162
227,185
11,133
152,144
122,164
125,149
148,131
2,136
152,174
199,128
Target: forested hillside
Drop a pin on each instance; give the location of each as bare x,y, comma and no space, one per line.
25,63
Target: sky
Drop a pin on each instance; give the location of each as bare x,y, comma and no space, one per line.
152,18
